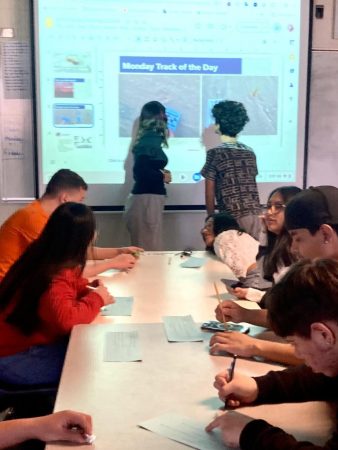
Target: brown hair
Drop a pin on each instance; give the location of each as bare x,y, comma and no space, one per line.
65,179
308,293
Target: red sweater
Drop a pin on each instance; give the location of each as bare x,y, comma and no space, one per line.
66,302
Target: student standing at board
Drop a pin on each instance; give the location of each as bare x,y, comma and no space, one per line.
230,170
144,208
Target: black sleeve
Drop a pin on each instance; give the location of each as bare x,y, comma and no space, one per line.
145,169
296,384
260,435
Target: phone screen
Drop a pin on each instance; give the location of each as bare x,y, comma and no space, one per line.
214,325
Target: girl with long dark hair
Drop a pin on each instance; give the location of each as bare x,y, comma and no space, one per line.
44,295
144,208
274,255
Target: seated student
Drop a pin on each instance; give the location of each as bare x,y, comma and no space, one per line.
43,295
312,221
236,248
274,258
61,426
26,224
275,250
310,322
311,218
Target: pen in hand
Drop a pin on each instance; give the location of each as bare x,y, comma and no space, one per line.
231,372
220,306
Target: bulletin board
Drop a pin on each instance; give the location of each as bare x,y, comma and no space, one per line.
16,103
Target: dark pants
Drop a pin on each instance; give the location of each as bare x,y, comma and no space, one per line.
40,364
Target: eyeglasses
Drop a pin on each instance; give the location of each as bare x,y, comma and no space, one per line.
275,208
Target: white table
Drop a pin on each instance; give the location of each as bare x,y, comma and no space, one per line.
161,287
172,377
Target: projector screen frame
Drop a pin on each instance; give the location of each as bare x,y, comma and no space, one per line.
264,188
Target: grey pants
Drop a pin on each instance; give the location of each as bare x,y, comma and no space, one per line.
251,223
144,217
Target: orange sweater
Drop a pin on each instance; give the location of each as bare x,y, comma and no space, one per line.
19,230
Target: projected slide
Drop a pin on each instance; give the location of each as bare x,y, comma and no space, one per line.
100,60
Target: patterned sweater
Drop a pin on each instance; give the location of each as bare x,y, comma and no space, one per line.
233,168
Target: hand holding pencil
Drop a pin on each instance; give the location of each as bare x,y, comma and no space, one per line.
240,390
220,305
231,373
229,310
231,370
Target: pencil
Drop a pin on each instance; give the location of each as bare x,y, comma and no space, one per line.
220,304
231,372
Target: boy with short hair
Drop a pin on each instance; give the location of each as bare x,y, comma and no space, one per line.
26,224
310,322
311,218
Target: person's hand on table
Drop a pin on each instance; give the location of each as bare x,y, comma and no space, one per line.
240,390
230,311
103,292
132,250
231,424
240,292
125,261
64,425
233,342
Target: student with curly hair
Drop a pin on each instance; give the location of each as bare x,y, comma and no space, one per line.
230,170
224,237
144,208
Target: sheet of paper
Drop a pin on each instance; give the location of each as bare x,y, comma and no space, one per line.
181,329
184,430
109,273
122,346
193,262
121,307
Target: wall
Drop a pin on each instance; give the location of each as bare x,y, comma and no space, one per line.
16,105
323,129
181,230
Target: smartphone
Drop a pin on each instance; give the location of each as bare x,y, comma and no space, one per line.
231,284
214,325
